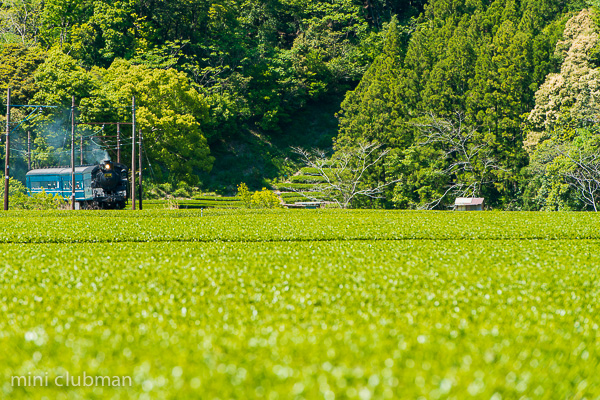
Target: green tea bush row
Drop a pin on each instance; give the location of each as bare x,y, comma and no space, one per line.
307,179
294,186
216,198
286,225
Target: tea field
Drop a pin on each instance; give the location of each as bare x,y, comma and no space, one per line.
302,304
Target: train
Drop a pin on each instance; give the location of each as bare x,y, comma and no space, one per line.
99,186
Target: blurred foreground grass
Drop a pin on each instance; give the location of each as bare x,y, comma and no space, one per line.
302,304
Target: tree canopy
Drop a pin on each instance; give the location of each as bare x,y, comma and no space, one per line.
231,70
226,88
481,60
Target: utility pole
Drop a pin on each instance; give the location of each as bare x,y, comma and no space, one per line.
81,150
133,154
140,170
72,152
118,142
28,150
6,161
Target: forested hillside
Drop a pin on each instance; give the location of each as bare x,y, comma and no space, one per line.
454,106
235,76
470,97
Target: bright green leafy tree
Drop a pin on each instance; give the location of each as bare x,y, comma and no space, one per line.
170,112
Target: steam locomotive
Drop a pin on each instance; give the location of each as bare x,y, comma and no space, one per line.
105,185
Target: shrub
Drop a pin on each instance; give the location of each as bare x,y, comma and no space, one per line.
45,201
260,199
20,200
184,185
153,191
181,193
244,194
265,199
166,187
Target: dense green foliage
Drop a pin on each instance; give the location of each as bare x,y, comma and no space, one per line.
459,93
306,305
228,72
469,63
20,199
562,128
259,199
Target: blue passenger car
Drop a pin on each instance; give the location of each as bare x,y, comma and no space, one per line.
105,185
58,181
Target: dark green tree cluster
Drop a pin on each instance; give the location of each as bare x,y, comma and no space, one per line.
461,94
482,61
252,64
562,130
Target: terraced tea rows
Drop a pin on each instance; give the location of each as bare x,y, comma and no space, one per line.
305,305
289,225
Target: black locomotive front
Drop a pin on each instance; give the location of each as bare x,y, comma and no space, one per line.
110,185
